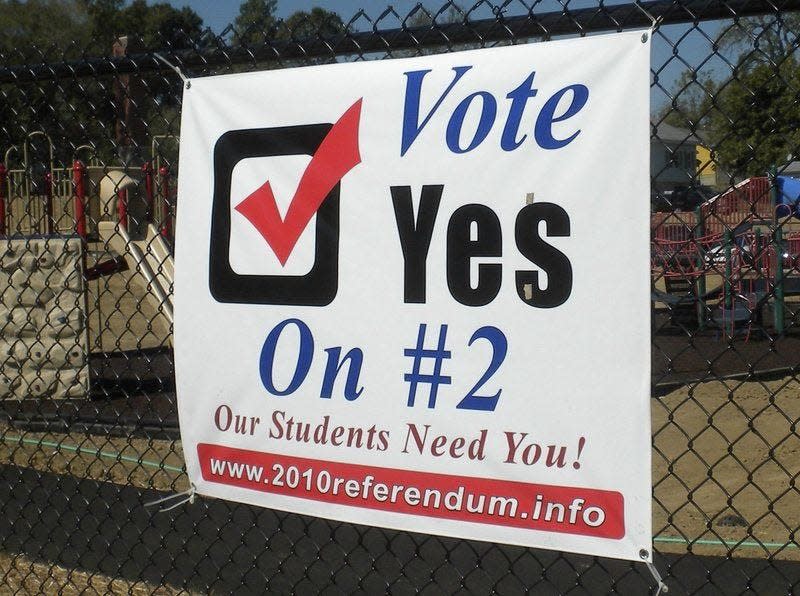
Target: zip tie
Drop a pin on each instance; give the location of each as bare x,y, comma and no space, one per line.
189,499
662,587
183,77
637,4
186,496
169,497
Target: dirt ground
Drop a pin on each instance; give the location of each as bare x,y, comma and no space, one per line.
19,575
107,459
726,462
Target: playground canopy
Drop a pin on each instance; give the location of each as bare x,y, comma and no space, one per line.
788,196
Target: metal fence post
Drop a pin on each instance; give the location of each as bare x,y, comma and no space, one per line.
777,242
147,172
3,181
78,180
699,233
48,204
122,208
166,223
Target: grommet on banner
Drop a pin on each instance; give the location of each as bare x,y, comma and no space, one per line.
184,78
188,497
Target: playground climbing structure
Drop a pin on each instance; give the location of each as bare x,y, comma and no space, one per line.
735,254
43,333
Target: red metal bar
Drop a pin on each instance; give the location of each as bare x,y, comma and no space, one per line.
48,204
3,179
749,198
78,179
122,208
166,220
147,171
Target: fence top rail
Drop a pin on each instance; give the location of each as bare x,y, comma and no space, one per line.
501,28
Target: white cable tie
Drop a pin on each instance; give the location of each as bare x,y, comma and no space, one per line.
662,587
168,498
189,499
183,77
653,20
186,496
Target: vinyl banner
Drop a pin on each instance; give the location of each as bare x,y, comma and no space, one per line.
414,293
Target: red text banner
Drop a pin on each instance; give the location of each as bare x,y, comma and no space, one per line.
571,510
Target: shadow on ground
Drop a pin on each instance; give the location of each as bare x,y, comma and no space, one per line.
220,547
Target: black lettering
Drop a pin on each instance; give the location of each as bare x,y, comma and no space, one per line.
461,248
540,253
415,237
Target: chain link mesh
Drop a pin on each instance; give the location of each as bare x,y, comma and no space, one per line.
89,133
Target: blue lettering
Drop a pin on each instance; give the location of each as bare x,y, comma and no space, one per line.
334,366
488,113
544,122
411,124
551,113
266,362
519,98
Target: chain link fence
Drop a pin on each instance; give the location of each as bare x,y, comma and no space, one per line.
89,129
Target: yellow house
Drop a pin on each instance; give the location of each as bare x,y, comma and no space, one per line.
706,166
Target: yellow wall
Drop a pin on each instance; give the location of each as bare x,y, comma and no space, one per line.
706,168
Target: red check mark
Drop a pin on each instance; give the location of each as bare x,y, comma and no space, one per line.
337,154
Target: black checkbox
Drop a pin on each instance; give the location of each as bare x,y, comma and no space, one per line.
316,288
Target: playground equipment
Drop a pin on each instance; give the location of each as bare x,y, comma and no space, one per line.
150,257
61,228
743,242
44,339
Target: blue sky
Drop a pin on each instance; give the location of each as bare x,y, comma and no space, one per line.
692,43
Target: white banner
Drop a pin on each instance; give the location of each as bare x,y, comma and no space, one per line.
415,293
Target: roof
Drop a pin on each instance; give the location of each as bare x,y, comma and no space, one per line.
792,168
672,134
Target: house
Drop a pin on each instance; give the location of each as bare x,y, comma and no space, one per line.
683,168
673,158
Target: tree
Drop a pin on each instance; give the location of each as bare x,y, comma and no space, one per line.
691,104
38,31
307,25
156,26
82,111
756,118
57,27
255,22
750,119
161,25
764,39
419,17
